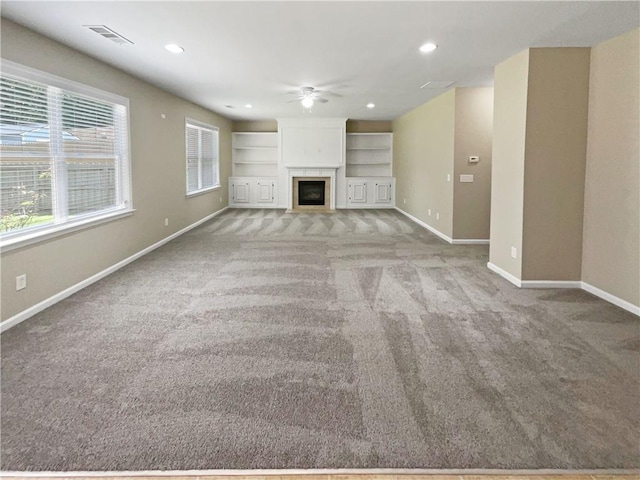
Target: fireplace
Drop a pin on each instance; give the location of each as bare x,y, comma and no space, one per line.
311,193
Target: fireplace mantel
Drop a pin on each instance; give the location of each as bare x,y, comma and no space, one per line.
307,167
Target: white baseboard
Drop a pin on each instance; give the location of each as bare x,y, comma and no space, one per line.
424,225
503,273
628,306
550,284
446,238
31,311
470,241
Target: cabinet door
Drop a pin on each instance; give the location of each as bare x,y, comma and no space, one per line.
357,191
382,192
265,192
241,192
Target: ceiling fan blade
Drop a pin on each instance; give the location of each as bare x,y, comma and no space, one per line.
294,100
321,100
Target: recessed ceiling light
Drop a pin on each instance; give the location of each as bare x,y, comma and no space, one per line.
248,105
173,48
371,105
428,47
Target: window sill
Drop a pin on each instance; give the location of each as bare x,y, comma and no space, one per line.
30,238
203,191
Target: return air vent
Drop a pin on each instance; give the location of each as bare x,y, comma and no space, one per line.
109,34
438,84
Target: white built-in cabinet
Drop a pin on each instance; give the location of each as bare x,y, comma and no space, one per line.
258,163
253,192
370,192
369,163
255,169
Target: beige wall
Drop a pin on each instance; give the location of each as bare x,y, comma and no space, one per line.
255,126
473,136
423,145
158,176
539,145
510,85
611,248
369,126
555,151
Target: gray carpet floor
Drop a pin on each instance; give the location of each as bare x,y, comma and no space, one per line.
357,340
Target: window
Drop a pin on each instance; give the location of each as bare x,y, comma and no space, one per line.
64,154
202,157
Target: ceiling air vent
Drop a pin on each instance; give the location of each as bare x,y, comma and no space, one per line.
109,34
438,84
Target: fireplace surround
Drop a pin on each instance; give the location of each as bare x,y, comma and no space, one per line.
311,193
305,174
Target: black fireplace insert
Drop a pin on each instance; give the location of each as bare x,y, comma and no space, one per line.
311,192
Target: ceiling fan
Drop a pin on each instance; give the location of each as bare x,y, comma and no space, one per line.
308,96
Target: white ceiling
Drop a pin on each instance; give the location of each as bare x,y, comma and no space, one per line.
255,52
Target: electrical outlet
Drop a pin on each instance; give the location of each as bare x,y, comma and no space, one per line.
404,201
166,222
220,199
437,216
448,177
429,212
514,252
21,282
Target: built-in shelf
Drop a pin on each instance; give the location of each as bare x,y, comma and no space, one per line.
255,154
369,154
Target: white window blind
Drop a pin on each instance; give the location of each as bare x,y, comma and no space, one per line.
202,157
63,155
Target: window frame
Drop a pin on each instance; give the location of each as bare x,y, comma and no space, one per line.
29,236
190,122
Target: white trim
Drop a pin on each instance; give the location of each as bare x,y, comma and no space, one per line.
195,193
48,232
200,126
29,312
619,302
27,73
628,306
533,283
424,225
503,273
322,471
550,284
470,241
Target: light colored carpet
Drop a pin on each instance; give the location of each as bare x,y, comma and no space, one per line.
355,340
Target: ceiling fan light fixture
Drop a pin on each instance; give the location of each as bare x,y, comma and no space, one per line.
428,47
307,102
